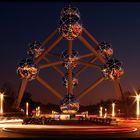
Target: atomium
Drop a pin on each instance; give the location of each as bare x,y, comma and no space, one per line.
27,69
113,69
35,49
70,60
105,49
69,104
70,28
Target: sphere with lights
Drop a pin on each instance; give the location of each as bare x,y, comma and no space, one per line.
70,60
69,15
71,31
70,26
69,104
105,49
74,81
35,49
27,69
113,69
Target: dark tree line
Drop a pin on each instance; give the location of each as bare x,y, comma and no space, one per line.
10,95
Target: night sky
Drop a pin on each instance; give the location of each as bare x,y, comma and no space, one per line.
24,22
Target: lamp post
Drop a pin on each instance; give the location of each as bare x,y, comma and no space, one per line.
38,111
101,111
1,103
105,115
137,105
27,108
113,109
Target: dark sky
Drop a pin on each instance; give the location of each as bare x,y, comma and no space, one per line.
118,23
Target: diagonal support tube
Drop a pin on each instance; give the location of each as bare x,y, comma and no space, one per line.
120,95
55,68
86,55
91,49
85,67
49,37
49,49
50,64
70,87
117,88
91,87
88,64
22,87
90,36
45,84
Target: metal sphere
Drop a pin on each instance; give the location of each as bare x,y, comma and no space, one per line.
35,49
71,31
69,104
74,82
105,49
69,15
70,61
27,69
113,69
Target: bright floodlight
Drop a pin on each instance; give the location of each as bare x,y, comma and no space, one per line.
101,111
137,108
27,108
113,109
105,115
1,103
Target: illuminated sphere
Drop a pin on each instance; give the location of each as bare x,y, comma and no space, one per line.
105,49
113,69
65,81
69,104
71,31
27,69
70,26
35,49
70,61
69,15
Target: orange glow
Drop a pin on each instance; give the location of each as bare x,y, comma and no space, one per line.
101,111
27,108
1,103
113,109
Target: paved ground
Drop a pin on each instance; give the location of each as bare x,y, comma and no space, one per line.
124,129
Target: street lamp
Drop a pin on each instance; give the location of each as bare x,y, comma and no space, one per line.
38,111
105,115
113,109
137,108
1,103
27,108
101,111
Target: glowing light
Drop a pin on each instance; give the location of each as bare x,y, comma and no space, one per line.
105,115
101,111
137,99
27,108
137,108
113,109
38,111
12,120
1,103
